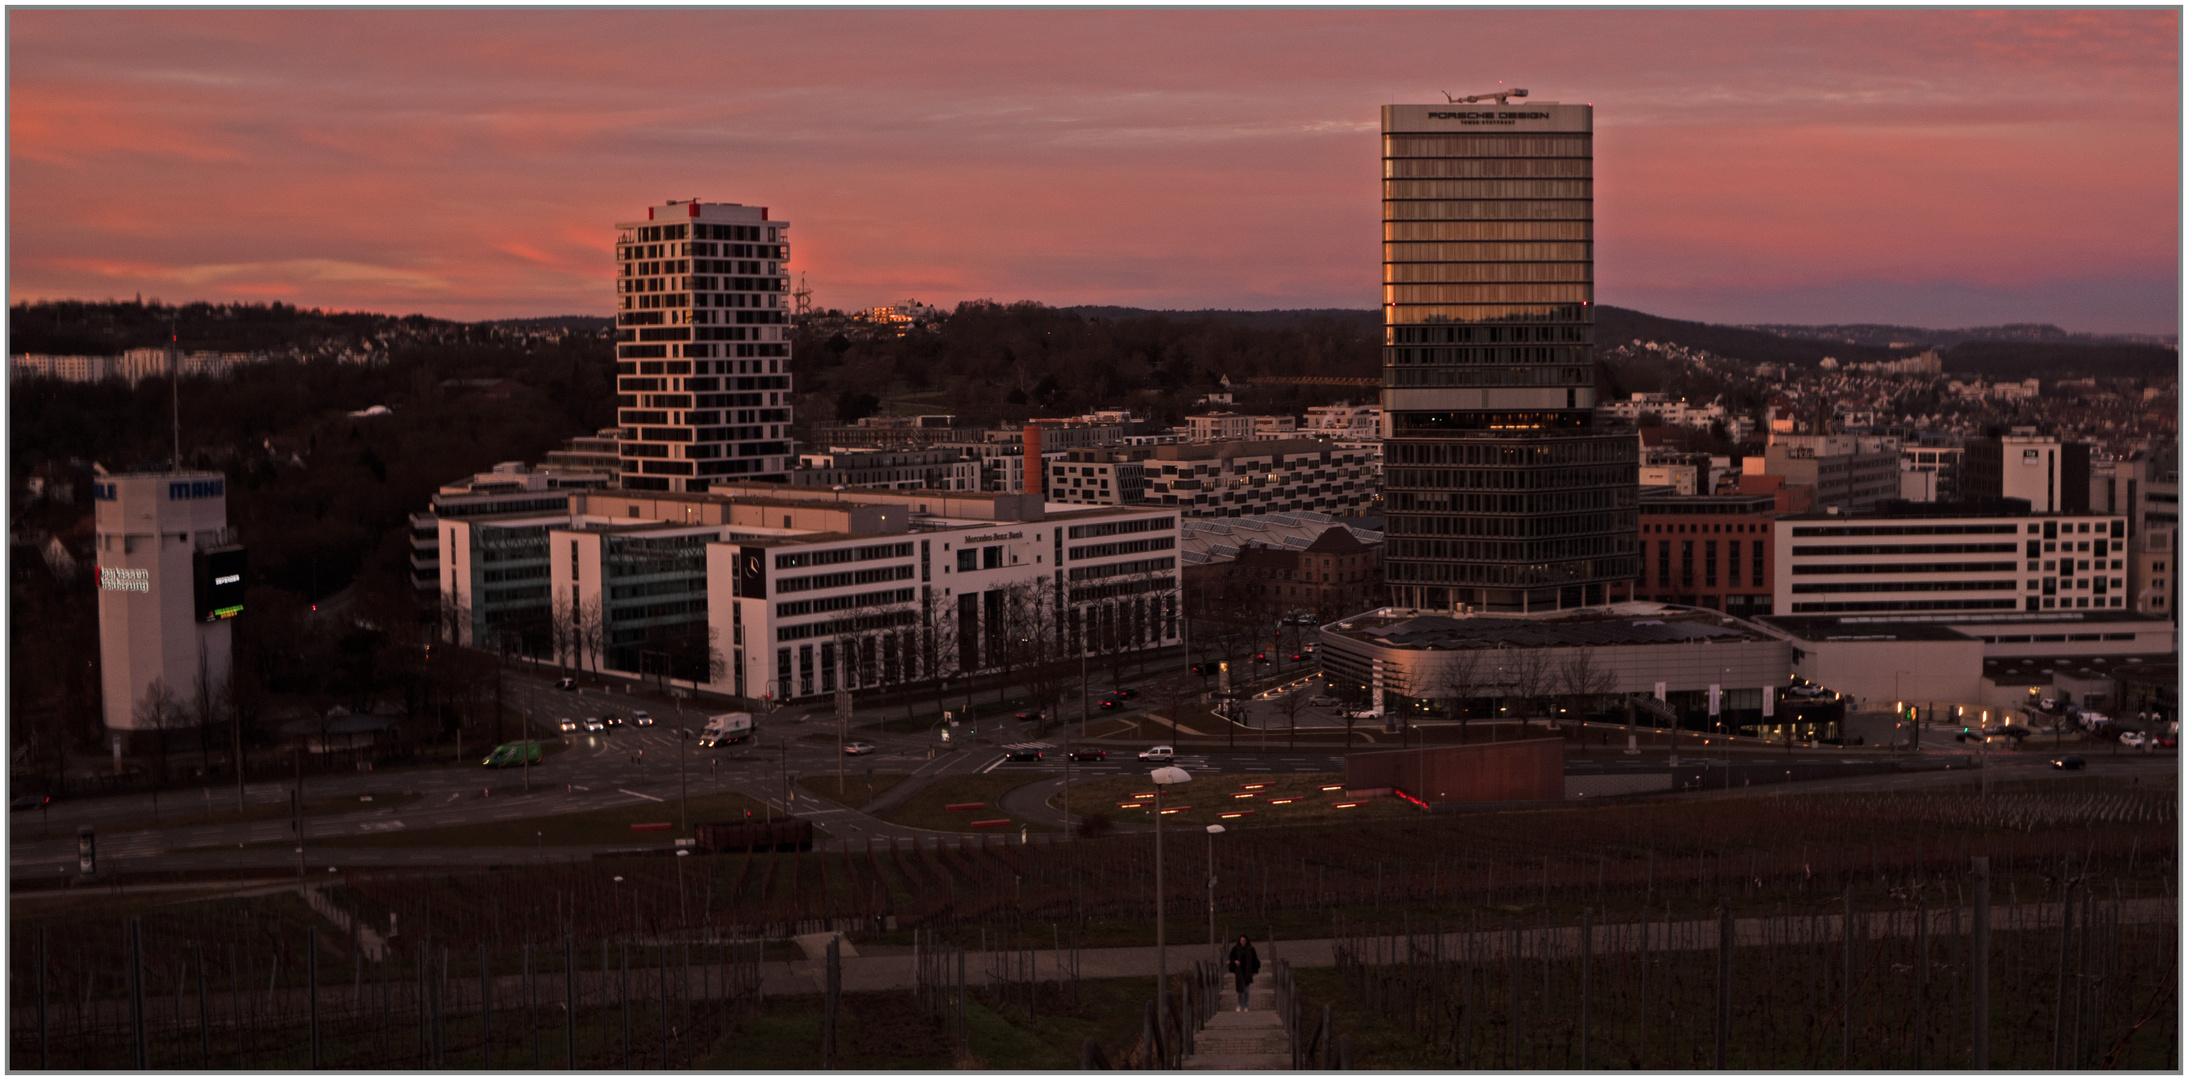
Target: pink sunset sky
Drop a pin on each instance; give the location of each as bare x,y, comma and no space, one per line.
1939,168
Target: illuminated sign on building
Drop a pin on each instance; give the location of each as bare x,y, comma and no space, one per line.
217,582
122,579
197,489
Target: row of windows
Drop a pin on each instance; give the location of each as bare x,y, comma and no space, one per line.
1902,549
1579,251
1136,566
1114,528
1488,189
702,231
515,573
1491,221
1410,273
1561,525
1904,568
1907,586
1904,530
1709,563
1506,575
1486,293
1433,482
832,556
634,612
1490,376
882,621
658,588
1846,608
1546,502
1486,168
1571,547
1114,589
1487,145
1441,314
1515,423
1609,521
1575,332
1510,354
1511,455
843,603
504,596
847,577
1123,547
1448,210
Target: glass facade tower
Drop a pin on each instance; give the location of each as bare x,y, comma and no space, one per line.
1500,492
702,353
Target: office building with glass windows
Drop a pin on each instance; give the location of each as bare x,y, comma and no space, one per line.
1501,492
702,353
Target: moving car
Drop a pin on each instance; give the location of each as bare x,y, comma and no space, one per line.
2133,739
642,718
565,684
566,724
592,723
1089,753
1112,702
1032,715
516,753
1022,753
2069,761
1160,754
857,748
28,802
1323,701
612,720
1125,693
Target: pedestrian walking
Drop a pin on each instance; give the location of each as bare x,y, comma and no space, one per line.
1245,964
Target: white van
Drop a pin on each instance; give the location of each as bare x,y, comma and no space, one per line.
727,729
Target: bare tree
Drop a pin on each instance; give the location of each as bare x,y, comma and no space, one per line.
1291,704
1456,681
1531,675
1582,680
159,711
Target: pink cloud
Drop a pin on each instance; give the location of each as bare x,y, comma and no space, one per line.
1167,158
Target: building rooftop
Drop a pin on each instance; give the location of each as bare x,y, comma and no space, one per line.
1206,540
1634,623
1829,628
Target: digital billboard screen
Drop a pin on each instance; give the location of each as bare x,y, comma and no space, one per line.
220,579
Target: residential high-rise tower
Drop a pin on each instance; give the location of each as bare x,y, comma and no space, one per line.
702,346
1500,491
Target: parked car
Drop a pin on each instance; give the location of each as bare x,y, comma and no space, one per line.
1159,754
1089,753
567,724
592,723
1022,753
565,684
2069,761
1323,701
642,718
856,748
2133,739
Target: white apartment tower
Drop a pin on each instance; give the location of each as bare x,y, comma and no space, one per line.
702,347
170,577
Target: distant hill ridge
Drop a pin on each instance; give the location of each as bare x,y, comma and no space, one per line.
1908,336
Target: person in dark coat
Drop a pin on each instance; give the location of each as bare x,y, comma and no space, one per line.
1245,963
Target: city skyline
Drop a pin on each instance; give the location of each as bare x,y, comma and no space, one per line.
1924,168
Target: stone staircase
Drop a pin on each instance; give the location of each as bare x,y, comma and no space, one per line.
1241,1041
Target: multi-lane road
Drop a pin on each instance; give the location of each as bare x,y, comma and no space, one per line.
630,765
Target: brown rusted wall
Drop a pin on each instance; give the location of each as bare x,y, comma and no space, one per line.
1530,770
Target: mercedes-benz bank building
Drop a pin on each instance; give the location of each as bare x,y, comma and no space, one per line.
1501,493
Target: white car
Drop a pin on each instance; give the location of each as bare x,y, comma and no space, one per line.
2132,738
567,724
1162,754
856,748
642,718
592,723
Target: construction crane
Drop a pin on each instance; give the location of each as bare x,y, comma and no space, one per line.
1499,97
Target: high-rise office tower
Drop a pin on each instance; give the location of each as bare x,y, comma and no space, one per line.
702,354
1500,492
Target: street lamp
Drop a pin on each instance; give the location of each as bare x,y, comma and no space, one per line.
1163,778
1213,944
